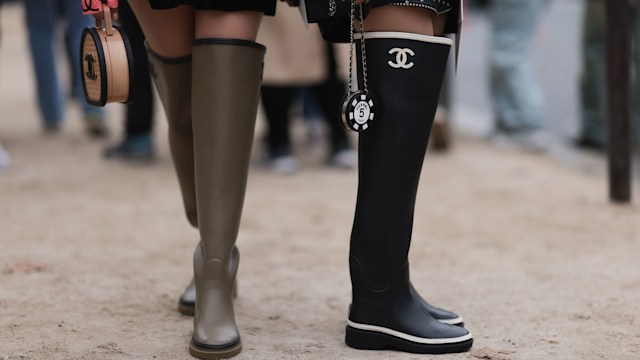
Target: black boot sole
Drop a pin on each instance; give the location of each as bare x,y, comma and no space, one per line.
202,351
372,340
187,309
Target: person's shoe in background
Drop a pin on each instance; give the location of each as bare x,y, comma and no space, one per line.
136,147
586,143
51,128
281,165
343,159
440,131
279,160
529,140
96,125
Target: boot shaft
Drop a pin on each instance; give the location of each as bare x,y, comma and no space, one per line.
225,90
172,77
405,74
405,71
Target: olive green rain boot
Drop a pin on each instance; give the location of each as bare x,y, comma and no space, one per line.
225,91
173,81
187,302
172,77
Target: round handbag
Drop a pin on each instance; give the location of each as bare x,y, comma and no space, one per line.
107,63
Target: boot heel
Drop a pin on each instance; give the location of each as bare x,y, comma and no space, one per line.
365,340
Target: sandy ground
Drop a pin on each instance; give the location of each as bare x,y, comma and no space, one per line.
93,254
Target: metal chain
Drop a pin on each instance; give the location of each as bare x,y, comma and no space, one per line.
351,20
352,46
364,53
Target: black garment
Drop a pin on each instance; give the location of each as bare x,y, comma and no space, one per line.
337,29
266,6
328,95
139,117
276,102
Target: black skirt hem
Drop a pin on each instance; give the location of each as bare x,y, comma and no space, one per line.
268,7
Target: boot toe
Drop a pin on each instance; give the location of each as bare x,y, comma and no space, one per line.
442,315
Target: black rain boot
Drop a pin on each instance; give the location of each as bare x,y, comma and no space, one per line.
405,74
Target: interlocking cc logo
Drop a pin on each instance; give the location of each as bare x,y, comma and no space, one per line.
86,6
91,72
402,56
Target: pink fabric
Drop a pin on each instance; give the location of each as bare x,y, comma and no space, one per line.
95,6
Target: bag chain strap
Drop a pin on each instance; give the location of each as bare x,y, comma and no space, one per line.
362,47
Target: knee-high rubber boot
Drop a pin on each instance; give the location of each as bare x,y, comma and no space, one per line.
405,73
225,90
172,77
442,315
173,81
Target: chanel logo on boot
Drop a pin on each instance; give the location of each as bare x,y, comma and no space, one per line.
402,56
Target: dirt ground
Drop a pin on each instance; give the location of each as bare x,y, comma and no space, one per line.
94,254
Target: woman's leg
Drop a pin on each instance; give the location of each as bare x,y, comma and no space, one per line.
227,69
137,142
75,23
423,22
41,23
593,87
241,25
405,19
276,102
170,35
518,101
406,66
328,95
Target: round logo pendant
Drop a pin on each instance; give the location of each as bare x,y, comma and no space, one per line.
357,111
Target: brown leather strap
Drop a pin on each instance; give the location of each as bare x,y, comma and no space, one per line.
106,14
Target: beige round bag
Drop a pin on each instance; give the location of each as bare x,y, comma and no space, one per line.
107,63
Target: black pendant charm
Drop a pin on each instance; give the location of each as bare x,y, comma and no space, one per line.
357,111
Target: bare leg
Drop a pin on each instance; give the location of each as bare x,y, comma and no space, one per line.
170,33
241,25
406,19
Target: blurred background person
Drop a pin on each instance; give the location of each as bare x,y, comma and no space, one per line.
5,159
299,57
137,141
42,19
593,83
441,132
517,99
